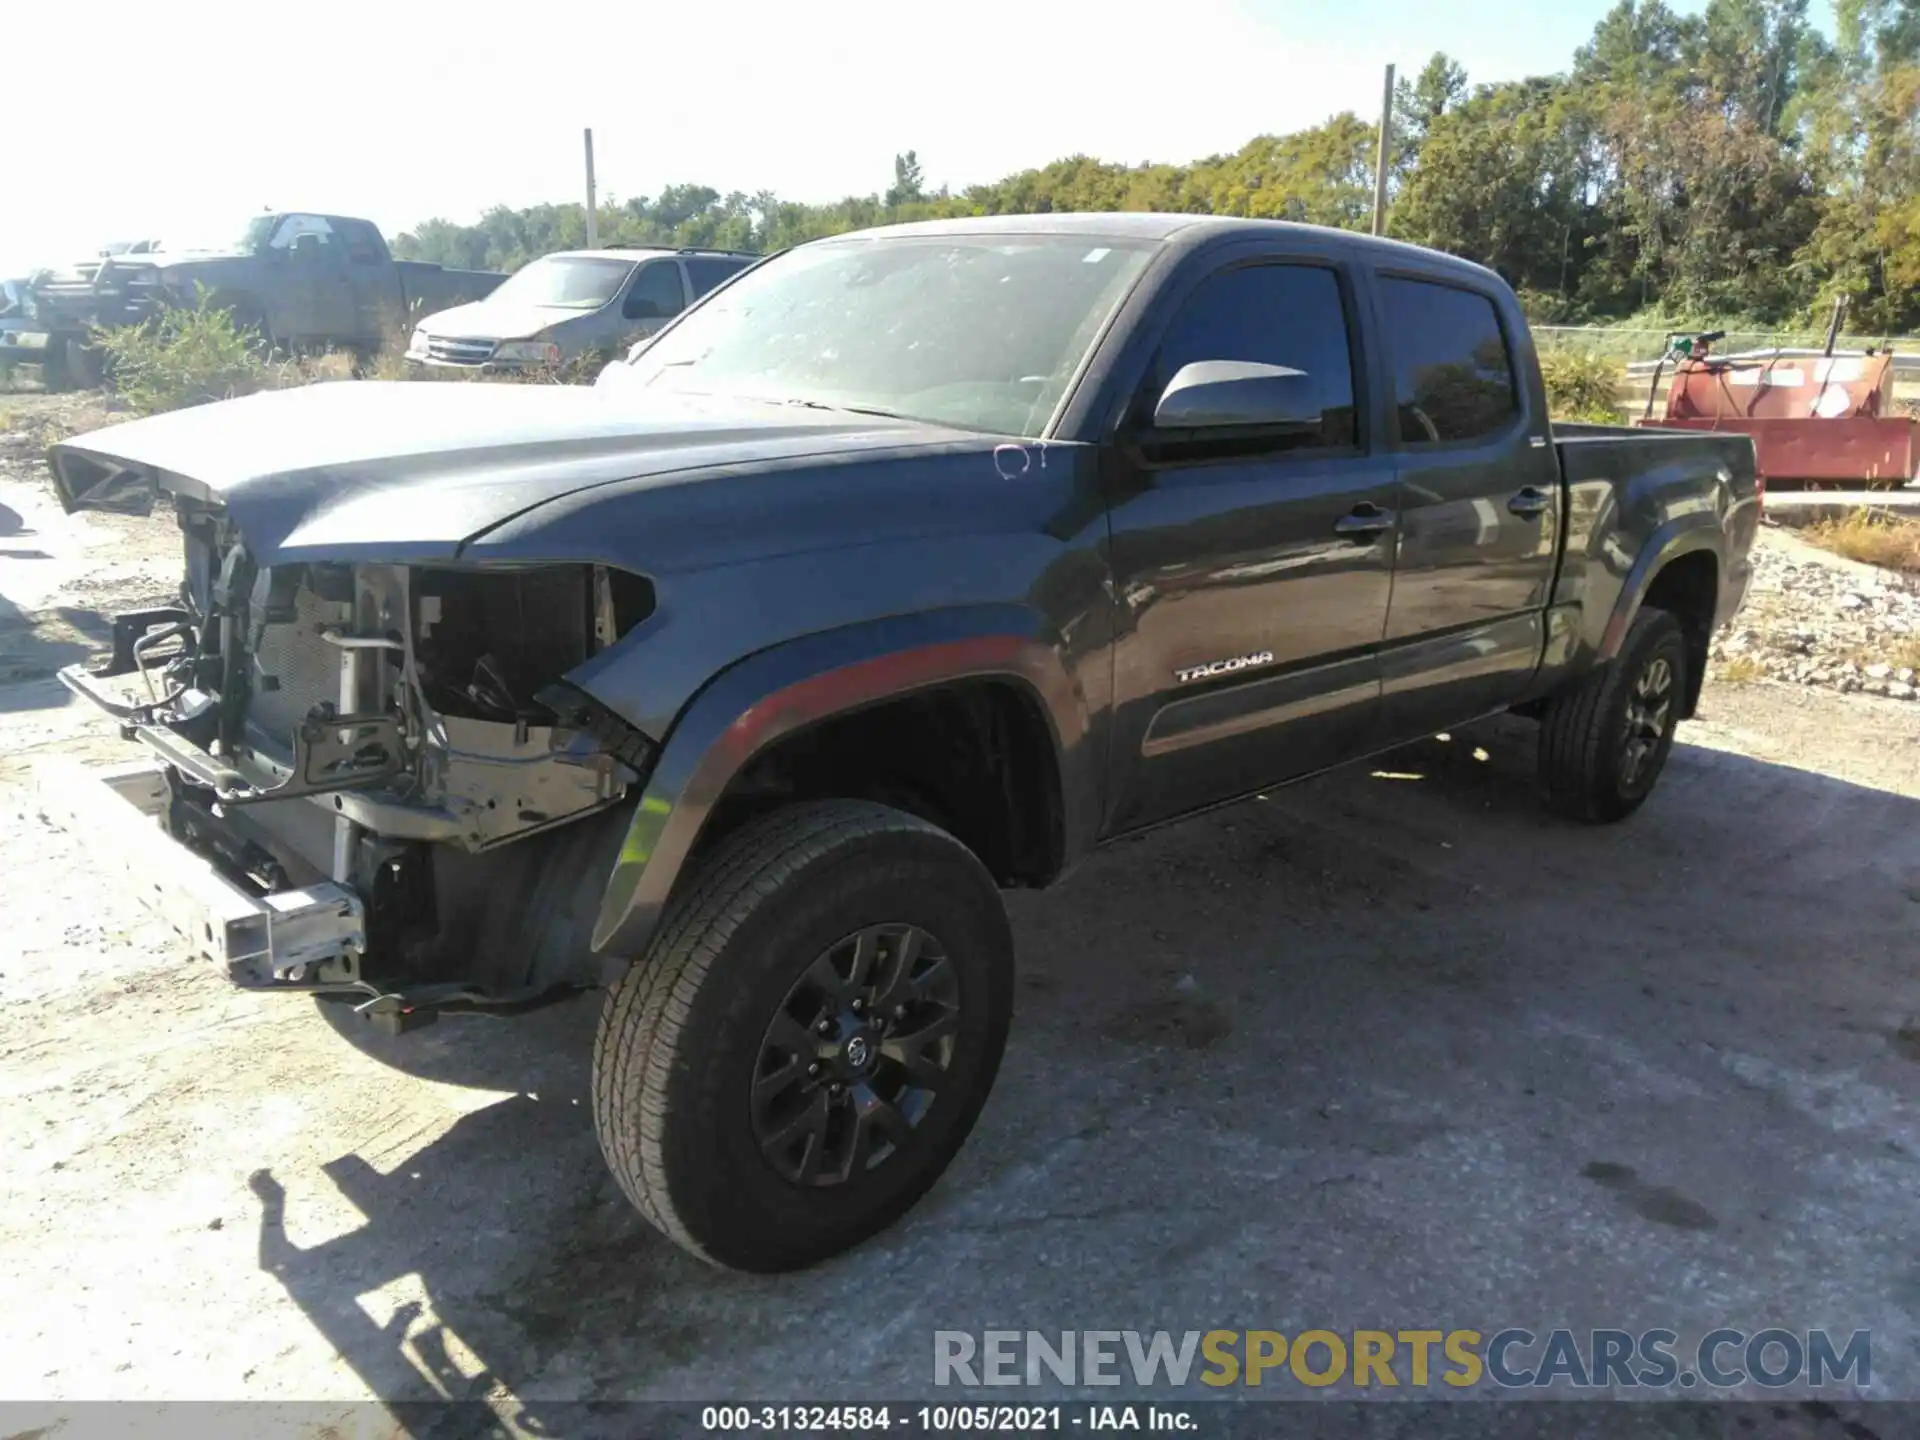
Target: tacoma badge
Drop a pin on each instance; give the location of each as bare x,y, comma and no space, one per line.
1223,667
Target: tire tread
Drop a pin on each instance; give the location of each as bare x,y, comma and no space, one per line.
1573,739
637,1046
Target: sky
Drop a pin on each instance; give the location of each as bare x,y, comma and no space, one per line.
180,121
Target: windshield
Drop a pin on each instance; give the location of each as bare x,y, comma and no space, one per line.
979,332
567,283
253,238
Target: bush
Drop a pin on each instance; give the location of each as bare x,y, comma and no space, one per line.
193,356
1581,386
183,357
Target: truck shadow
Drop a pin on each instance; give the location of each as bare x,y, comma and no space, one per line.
1312,989
35,646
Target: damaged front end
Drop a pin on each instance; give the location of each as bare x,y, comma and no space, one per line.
348,767
107,293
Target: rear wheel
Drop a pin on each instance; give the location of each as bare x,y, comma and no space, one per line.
71,364
56,369
810,1038
1604,742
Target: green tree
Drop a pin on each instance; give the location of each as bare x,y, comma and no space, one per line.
1440,86
906,188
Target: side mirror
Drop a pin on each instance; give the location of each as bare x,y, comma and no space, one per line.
1221,394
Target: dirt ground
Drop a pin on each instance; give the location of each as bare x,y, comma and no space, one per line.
1388,1049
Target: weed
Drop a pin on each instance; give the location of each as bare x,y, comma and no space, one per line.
1740,670
183,356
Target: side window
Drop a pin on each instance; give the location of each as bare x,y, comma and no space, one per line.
707,271
362,242
1452,375
296,225
1273,314
655,293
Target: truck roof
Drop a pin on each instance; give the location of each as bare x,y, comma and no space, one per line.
1185,231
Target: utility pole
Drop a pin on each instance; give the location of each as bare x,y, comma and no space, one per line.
1380,161
593,218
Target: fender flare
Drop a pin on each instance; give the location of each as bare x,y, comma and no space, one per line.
772,693
1680,536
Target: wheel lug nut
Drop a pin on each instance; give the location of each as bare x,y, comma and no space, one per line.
813,1070
899,1012
858,1006
825,1027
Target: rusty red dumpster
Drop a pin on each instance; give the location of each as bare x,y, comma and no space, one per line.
1814,419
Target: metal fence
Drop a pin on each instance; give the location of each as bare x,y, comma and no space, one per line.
1639,349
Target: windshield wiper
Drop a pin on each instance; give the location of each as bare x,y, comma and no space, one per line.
848,409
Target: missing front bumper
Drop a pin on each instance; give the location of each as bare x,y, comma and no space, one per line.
305,939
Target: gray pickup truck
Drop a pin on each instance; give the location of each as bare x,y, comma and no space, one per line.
299,281
906,567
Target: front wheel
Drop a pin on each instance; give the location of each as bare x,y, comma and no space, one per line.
810,1038
1604,742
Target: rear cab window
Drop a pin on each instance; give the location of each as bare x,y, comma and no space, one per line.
364,246
1453,371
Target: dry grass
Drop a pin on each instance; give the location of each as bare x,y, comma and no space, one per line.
1900,654
1871,536
1740,670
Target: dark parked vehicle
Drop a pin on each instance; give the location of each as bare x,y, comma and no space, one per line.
583,305
21,339
300,281
908,566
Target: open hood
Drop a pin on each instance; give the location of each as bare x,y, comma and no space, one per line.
413,471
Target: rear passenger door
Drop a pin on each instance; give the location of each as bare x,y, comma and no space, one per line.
1479,507
1252,570
706,272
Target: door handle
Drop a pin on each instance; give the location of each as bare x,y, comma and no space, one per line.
1530,503
1363,520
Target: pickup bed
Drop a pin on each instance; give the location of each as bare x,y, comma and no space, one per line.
907,567
299,281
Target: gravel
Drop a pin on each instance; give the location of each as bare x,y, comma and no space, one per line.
1813,618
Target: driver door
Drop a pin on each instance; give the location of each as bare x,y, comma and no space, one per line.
316,283
654,296
1253,570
